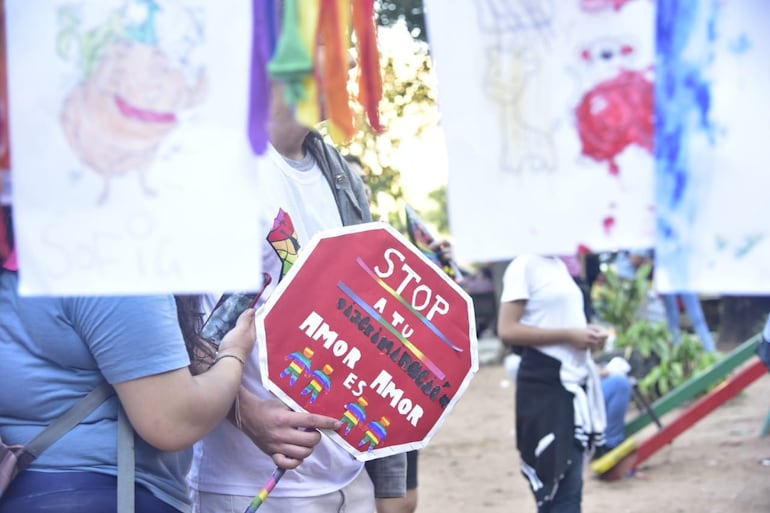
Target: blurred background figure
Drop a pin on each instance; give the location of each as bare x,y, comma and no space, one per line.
560,412
628,262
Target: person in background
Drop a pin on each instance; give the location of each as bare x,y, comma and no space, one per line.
560,412
694,310
58,349
308,187
616,390
616,385
628,262
763,347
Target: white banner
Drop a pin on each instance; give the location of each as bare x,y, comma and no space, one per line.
714,126
131,167
548,112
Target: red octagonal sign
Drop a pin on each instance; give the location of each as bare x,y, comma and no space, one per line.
366,329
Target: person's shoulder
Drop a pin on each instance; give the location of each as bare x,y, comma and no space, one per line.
519,263
325,153
526,259
315,141
121,307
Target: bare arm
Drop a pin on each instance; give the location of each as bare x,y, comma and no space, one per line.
511,331
174,409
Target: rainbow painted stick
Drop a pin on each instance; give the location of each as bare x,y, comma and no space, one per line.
266,489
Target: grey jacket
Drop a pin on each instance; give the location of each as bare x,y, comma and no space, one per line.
388,473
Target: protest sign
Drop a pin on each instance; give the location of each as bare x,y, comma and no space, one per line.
366,329
421,236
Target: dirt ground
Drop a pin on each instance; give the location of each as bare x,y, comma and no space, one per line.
713,467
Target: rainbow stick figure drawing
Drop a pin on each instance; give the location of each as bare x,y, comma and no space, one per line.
300,364
355,414
321,380
377,432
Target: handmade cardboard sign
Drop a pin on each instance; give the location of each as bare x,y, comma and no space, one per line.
368,330
421,236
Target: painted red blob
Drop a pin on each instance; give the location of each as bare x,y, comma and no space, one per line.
614,115
609,224
582,249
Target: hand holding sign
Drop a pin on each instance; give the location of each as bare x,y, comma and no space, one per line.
386,342
287,436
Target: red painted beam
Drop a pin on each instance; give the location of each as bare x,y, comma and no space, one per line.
699,409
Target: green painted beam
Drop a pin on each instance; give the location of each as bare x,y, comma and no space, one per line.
696,384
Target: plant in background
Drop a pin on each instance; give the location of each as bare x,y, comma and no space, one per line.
646,337
658,363
620,302
678,363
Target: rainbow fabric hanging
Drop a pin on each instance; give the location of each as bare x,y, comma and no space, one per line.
333,28
262,45
316,87
308,110
291,63
370,78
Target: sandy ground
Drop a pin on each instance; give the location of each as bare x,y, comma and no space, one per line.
713,467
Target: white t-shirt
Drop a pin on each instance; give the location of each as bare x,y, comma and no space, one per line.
553,301
296,203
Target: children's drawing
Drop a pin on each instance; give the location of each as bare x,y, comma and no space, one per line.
684,114
618,110
127,117
132,89
711,112
549,105
513,29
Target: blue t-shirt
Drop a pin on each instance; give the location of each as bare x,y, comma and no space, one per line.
57,349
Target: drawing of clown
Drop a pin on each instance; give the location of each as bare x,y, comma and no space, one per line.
131,90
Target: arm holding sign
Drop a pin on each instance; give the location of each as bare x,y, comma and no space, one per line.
285,435
528,317
191,405
513,332
292,201
134,343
